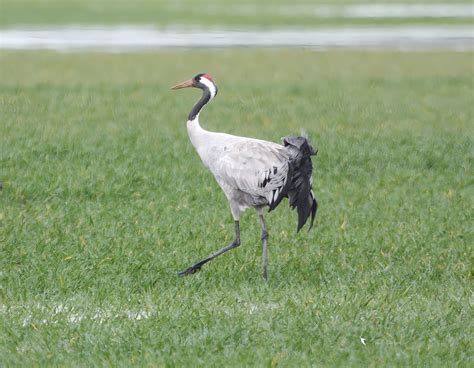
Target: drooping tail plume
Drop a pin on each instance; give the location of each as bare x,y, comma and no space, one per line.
299,192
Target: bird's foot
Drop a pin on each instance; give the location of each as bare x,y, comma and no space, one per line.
189,271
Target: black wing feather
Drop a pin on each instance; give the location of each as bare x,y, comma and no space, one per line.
299,189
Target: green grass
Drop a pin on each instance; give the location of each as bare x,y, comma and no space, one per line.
104,200
228,13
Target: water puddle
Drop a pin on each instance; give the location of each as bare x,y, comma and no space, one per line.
44,315
381,10
138,38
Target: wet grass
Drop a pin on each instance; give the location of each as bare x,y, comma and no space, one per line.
229,13
104,200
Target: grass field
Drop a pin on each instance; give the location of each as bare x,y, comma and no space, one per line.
228,13
104,200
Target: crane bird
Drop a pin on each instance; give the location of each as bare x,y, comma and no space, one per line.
251,172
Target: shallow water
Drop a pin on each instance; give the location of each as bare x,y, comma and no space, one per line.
383,10
455,10
128,38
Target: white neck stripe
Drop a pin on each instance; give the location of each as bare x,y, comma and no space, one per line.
210,85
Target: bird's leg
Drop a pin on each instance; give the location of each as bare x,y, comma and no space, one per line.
264,244
196,267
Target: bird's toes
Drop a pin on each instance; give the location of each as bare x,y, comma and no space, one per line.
189,271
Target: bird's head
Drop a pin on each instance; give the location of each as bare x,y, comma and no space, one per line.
202,81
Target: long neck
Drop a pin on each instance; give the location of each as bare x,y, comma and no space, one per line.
205,98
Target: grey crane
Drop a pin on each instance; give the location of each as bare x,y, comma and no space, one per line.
251,172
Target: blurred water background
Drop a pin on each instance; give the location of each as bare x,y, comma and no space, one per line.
148,25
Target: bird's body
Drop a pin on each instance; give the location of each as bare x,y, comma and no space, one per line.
252,173
240,164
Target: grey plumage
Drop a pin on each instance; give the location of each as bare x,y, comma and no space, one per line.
252,173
